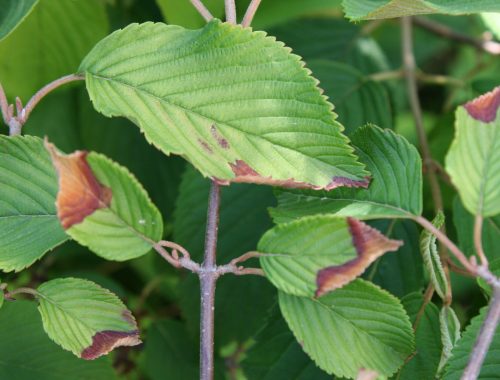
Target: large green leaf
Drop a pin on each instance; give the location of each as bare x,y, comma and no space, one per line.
241,302
29,226
432,259
50,43
473,160
314,255
358,100
268,123
460,354
276,355
424,364
358,326
85,318
376,9
27,353
102,206
395,190
12,13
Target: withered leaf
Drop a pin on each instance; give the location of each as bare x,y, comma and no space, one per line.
370,244
80,194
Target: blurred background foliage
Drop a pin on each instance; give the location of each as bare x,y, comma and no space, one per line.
359,68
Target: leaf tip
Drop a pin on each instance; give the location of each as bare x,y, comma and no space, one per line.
80,193
369,243
104,342
484,108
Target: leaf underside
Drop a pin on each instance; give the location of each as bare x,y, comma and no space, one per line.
251,113
379,9
85,318
395,190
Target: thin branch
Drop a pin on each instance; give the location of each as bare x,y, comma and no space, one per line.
44,91
175,247
448,244
230,11
250,13
410,74
245,257
484,338
478,240
11,294
490,47
202,10
208,278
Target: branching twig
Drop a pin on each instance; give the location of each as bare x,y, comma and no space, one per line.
202,10
250,13
487,46
16,122
230,11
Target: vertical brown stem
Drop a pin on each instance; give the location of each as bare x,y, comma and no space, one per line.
208,276
411,83
484,338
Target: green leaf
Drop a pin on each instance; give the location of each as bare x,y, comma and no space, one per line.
183,13
2,297
461,352
276,355
464,224
242,303
50,43
432,261
358,100
357,326
12,13
424,364
27,353
377,9
269,116
450,334
313,255
169,349
473,160
29,226
85,318
102,206
395,190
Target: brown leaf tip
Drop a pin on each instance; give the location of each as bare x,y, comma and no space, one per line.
80,194
245,174
485,107
369,243
104,342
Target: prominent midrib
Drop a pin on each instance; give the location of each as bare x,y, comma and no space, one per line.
221,123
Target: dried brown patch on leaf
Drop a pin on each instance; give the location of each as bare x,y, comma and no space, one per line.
370,244
485,107
104,342
217,136
245,174
205,146
80,194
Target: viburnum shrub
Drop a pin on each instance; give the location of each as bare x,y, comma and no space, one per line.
342,284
